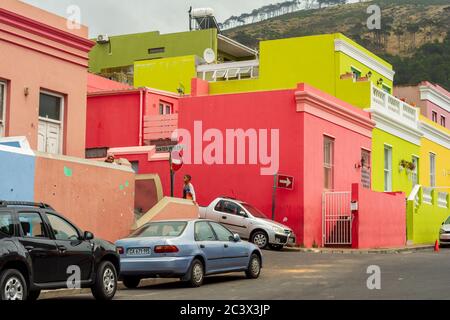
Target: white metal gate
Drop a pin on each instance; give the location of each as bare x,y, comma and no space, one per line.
337,219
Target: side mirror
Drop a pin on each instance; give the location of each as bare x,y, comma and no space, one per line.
243,214
236,238
443,223
88,235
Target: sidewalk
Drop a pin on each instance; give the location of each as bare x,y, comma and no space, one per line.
406,249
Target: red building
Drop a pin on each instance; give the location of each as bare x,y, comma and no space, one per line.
318,139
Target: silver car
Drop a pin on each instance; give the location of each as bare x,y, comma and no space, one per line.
250,223
444,233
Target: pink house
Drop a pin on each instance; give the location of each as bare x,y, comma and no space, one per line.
43,76
304,133
432,99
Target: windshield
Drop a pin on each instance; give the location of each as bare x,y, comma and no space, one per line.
160,229
254,212
447,221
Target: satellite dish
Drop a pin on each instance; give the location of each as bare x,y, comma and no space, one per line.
209,55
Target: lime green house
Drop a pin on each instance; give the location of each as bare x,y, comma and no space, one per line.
153,53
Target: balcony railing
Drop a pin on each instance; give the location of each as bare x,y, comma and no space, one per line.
427,196
442,199
229,71
393,107
159,126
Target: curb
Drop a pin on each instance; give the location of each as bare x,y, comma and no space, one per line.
361,251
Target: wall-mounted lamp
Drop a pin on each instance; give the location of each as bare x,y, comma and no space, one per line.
26,91
369,75
380,82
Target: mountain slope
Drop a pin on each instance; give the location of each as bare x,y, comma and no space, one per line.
412,37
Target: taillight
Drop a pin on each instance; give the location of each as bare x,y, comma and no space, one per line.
165,249
120,250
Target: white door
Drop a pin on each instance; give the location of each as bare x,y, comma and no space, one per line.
49,137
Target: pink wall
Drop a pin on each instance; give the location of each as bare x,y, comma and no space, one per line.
113,120
48,57
97,197
413,96
302,121
114,116
380,221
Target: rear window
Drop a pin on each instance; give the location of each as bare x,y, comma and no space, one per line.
6,224
160,229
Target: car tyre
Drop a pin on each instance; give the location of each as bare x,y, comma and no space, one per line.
276,247
254,267
105,285
260,239
131,282
12,285
33,295
196,274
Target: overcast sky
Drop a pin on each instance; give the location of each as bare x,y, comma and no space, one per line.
114,17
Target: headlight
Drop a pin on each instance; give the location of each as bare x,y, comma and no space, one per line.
277,229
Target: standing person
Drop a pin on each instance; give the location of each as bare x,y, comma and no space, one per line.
188,189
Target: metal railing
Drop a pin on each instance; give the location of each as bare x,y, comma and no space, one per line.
337,218
390,105
229,71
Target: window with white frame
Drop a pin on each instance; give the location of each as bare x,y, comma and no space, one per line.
165,108
387,168
415,172
432,169
434,116
50,131
2,109
328,162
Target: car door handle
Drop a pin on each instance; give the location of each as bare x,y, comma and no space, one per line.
225,245
62,249
224,217
29,248
202,246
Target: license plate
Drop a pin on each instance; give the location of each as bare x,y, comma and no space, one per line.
138,251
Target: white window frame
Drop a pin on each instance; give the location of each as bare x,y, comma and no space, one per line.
357,70
388,170
432,169
383,86
330,165
434,113
165,105
415,172
61,117
3,121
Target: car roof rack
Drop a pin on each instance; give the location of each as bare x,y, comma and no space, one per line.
41,205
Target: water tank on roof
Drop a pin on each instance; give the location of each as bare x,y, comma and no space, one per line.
202,12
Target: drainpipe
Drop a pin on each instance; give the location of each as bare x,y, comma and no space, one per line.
141,113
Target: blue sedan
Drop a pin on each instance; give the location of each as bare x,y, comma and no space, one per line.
185,249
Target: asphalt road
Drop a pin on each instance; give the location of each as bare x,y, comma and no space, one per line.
293,275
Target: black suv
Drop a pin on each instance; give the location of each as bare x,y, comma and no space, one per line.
40,249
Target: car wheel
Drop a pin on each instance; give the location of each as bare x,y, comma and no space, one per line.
12,285
197,274
131,282
260,239
105,285
33,295
254,267
277,247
